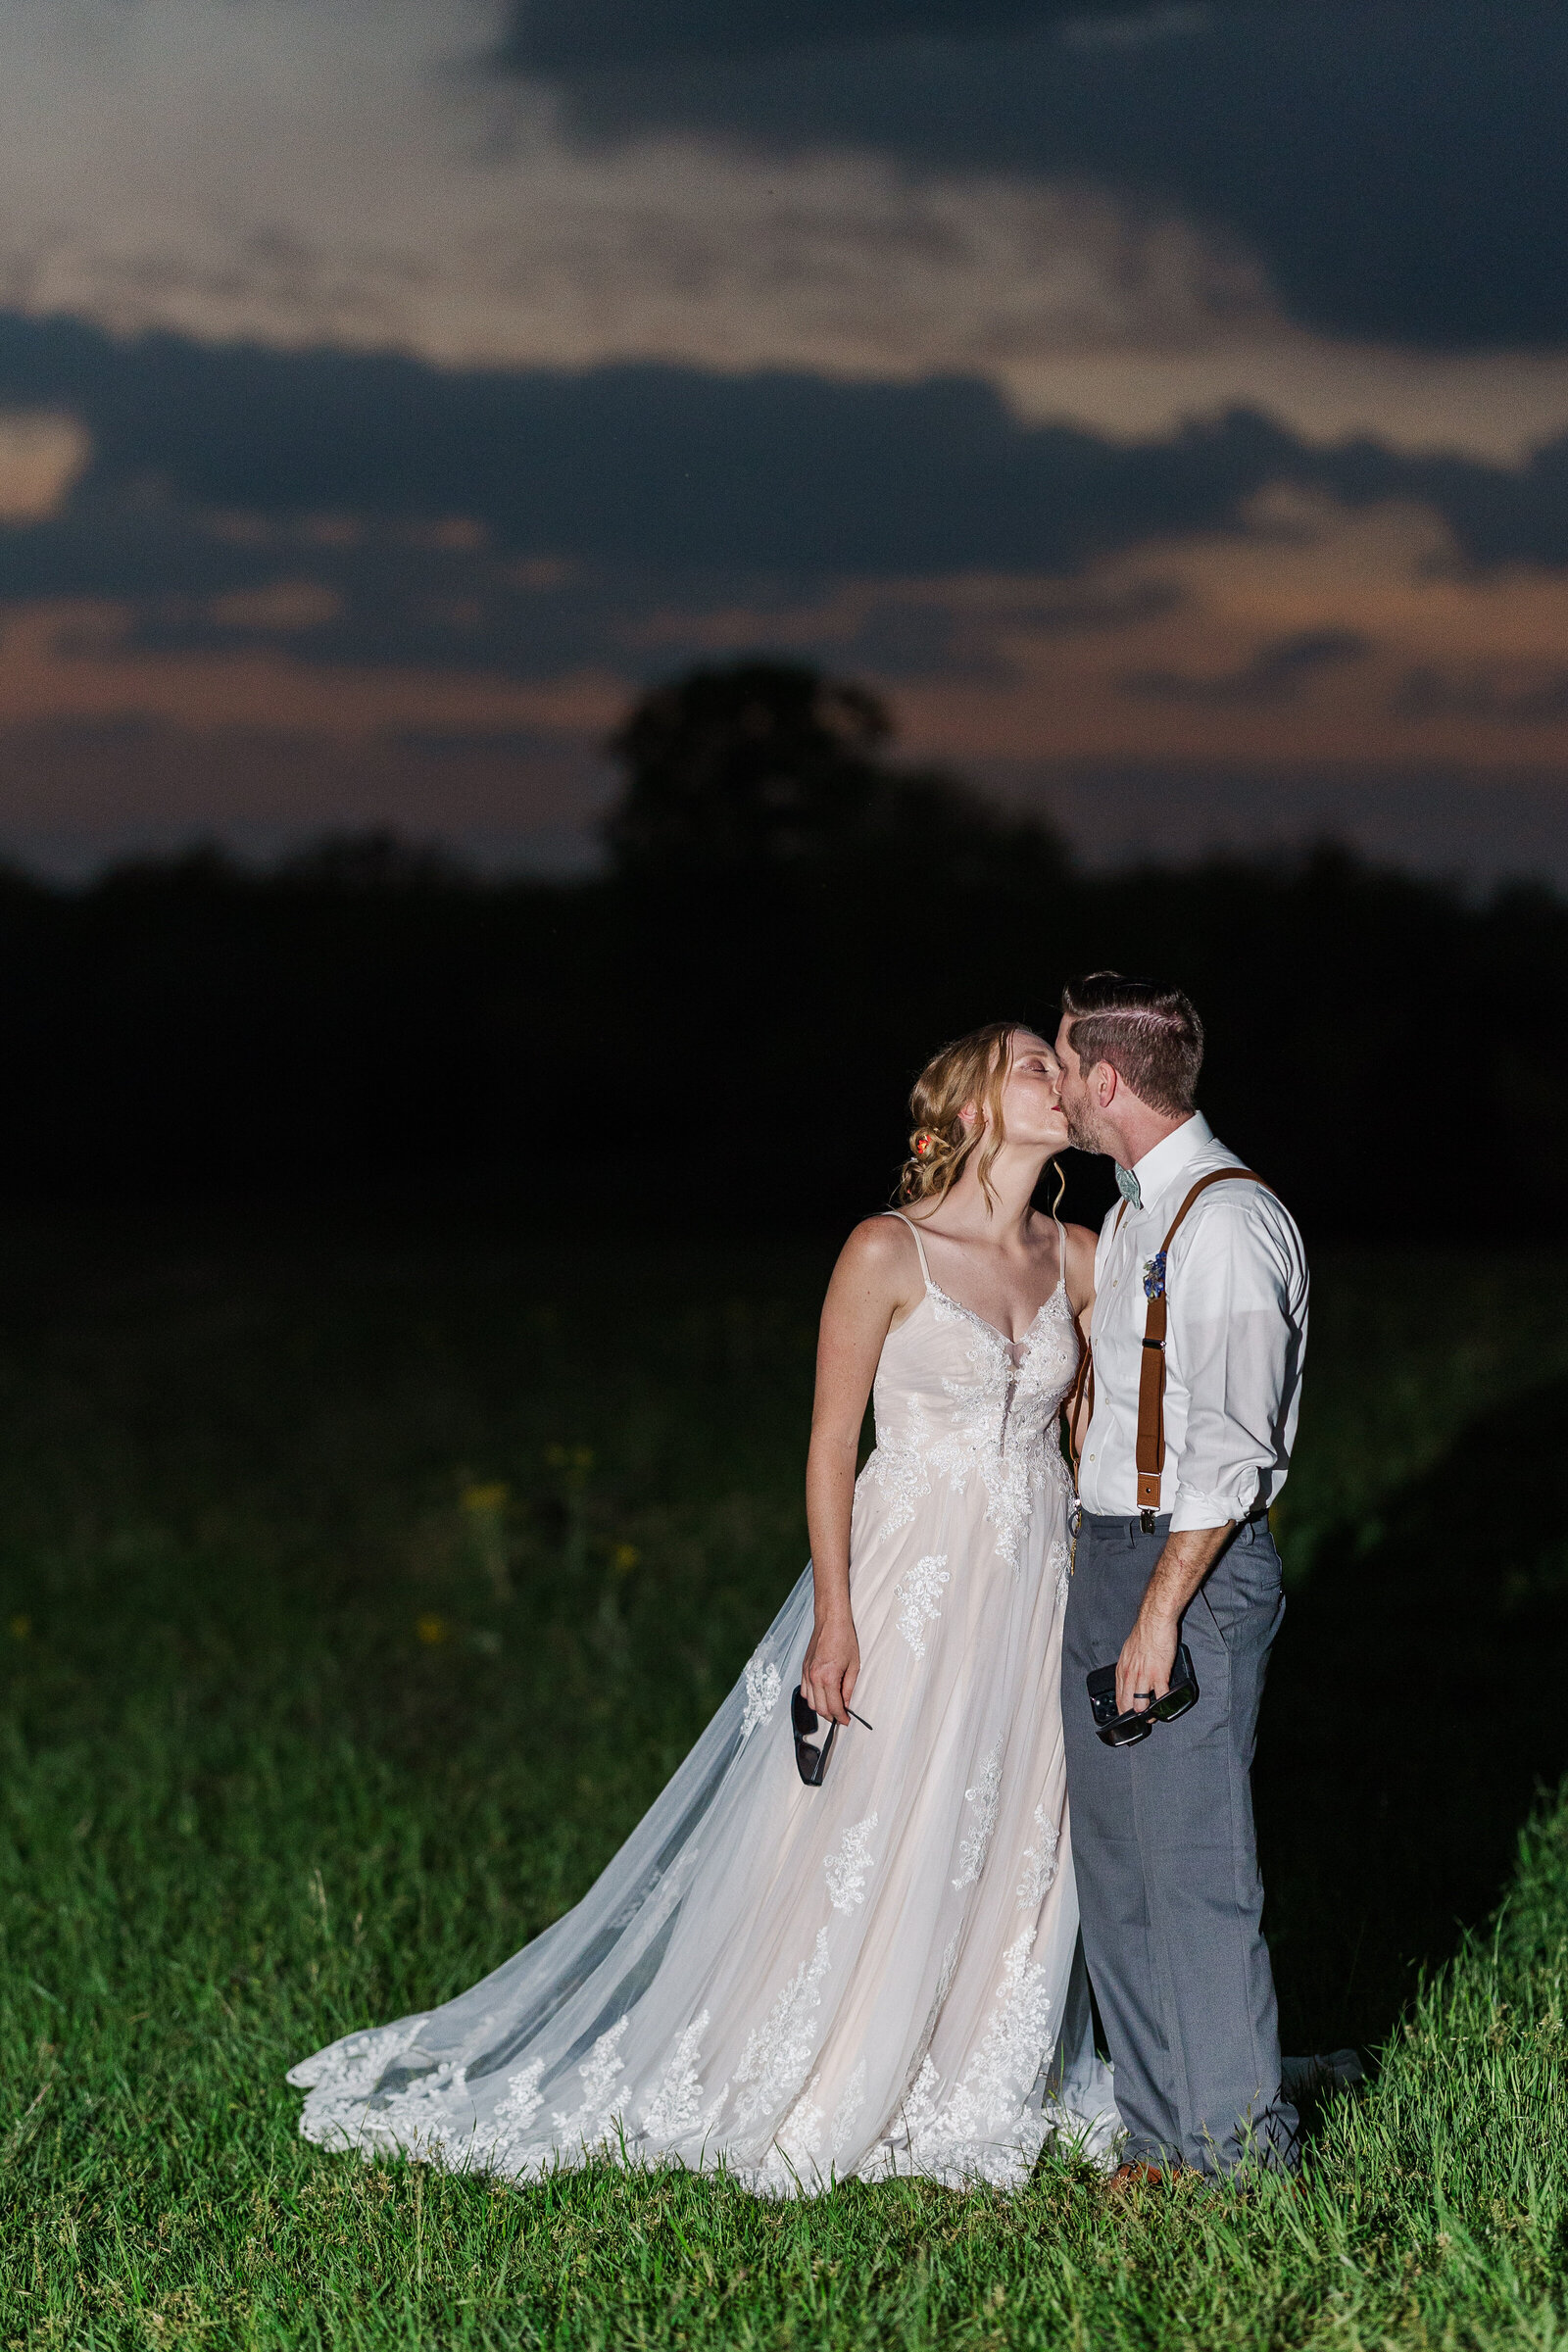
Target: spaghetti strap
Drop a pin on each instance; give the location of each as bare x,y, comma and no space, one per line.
1062,1251
919,1245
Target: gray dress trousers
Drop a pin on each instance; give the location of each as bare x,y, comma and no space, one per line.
1166,1860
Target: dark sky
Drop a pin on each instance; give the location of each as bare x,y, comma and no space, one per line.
1166,408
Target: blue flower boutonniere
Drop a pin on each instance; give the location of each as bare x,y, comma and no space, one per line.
1155,1276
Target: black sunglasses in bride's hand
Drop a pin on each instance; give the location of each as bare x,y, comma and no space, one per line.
810,1761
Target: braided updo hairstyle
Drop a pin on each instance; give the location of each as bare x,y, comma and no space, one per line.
971,1070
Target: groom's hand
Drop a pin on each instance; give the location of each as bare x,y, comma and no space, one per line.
1143,1671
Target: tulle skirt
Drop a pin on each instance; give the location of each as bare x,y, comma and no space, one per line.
800,1984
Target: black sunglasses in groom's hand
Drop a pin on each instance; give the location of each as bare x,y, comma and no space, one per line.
1123,1731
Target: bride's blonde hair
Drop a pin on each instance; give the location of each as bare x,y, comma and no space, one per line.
972,1071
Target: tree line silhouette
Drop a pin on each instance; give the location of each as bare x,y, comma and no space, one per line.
725,1023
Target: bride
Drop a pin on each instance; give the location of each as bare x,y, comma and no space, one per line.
878,1973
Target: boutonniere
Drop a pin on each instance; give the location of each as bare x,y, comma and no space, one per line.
1155,1276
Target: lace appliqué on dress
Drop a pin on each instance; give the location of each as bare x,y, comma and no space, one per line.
850,2100
985,1797
910,2138
778,2055
344,2078
764,1682
1061,1558
918,1588
523,2098
988,2129
1016,2045
793,2160
675,2109
1000,1429
846,1870
1040,1863
901,1471
601,2072
510,2143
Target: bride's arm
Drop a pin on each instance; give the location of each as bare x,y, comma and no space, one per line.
871,1286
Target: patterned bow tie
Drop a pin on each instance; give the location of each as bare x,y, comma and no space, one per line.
1128,1186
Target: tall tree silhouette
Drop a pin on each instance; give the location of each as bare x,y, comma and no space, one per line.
763,763
769,767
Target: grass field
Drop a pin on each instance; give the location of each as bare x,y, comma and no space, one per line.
360,1587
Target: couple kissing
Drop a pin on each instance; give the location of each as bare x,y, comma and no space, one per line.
855,1933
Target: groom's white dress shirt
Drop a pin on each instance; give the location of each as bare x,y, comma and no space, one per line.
1236,1288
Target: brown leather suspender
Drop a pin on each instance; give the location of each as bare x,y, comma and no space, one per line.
1150,1448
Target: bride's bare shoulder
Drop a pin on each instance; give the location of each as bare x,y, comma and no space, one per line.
878,1242
881,1252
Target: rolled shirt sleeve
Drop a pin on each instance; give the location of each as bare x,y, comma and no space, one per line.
1234,1338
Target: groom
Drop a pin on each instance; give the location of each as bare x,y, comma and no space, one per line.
1191,1396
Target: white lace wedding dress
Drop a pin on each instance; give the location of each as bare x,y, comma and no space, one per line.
800,1984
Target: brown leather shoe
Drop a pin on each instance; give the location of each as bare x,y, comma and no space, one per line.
1128,2176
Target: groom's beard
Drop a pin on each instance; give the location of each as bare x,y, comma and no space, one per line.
1081,1136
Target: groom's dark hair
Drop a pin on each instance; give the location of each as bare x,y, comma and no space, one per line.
1151,1036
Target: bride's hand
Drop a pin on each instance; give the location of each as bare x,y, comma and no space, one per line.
832,1668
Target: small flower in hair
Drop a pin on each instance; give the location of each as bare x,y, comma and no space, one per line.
923,1144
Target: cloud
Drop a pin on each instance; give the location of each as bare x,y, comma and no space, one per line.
506,242
1274,672
552,36
41,457
1341,216
282,608
899,629
1283,642
1513,694
673,469
68,662
1397,170
358,547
